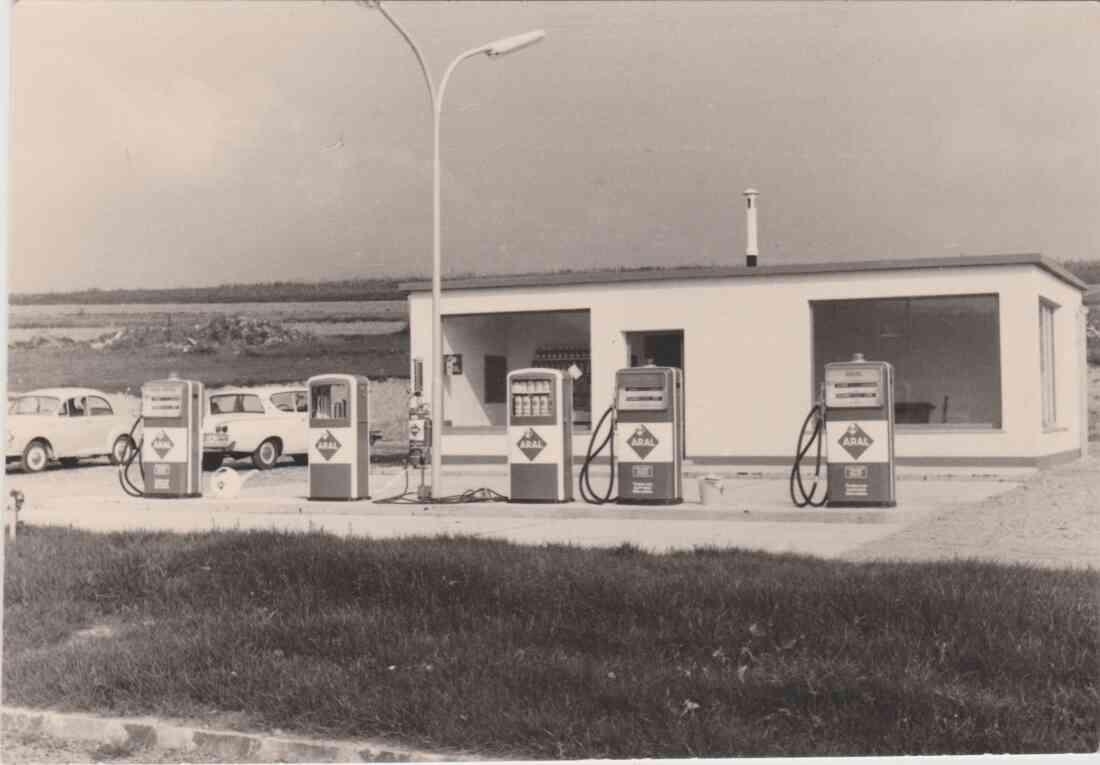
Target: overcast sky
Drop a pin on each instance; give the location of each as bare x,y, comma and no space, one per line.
161,144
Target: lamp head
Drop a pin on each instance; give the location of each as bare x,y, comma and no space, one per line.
512,44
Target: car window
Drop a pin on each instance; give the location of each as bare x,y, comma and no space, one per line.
35,405
236,403
284,402
98,405
73,407
301,401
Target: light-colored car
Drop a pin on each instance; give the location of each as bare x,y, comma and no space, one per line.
263,424
65,424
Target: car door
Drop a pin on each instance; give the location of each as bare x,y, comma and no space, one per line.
292,421
100,424
74,438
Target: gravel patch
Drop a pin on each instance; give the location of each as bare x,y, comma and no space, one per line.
1052,520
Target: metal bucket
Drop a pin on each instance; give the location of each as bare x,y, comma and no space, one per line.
711,490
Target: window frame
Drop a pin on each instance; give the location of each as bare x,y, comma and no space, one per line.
103,411
961,427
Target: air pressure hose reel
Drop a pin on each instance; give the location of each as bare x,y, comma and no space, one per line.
588,494
815,421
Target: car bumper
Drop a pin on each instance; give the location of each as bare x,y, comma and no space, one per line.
217,443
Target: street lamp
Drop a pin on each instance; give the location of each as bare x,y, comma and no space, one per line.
500,47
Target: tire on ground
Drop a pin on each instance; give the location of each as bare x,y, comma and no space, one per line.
35,457
266,454
119,449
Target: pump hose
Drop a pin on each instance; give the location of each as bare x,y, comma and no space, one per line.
588,494
132,452
817,414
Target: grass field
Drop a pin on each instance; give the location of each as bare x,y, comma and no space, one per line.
376,356
555,652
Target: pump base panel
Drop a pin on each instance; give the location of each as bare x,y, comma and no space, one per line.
841,503
538,483
649,483
670,501
334,482
514,501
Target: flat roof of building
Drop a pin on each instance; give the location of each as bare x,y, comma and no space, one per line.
735,272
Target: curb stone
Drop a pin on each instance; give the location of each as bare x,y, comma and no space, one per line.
141,733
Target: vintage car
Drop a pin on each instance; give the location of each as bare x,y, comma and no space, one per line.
262,424
65,424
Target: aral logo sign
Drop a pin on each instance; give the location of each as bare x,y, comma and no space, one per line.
642,441
531,444
327,445
162,444
855,441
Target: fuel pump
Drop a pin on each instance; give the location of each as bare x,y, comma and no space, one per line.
339,437
420,441
646,437
649,435
540,435
854,418
170,451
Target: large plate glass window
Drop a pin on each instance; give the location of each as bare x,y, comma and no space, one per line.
1046,362
945,352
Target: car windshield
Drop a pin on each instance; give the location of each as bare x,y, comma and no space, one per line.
35,405
236,403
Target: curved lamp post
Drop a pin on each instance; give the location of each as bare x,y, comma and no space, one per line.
500,47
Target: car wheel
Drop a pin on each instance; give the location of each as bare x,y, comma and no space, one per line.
301,459
69,461
35,457
266,454
120,449
212,461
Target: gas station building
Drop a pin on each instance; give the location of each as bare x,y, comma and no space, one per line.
988,352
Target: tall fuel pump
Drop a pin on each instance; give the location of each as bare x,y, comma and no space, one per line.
853,420
540,435
170,450
646,438
339,437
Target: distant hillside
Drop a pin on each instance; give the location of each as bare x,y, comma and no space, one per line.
270,292
347,289
1087,271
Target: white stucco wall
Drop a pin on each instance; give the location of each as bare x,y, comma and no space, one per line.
748,351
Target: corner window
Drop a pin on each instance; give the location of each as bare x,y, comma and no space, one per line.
945,352
1046,362
496,379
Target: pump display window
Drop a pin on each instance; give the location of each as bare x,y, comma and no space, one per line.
331,402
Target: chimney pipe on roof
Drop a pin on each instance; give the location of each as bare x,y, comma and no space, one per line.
751,250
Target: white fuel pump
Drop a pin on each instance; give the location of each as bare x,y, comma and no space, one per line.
646,438
854,417
540,435
339,437
170,450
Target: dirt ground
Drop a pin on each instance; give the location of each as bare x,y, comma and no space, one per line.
1051,520
31,748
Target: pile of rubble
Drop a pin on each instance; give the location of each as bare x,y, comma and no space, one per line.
207,337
